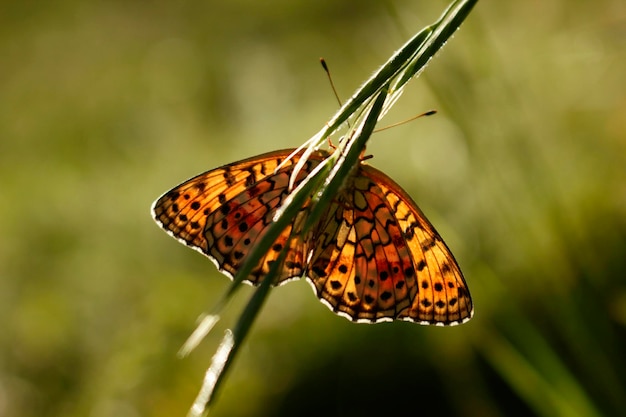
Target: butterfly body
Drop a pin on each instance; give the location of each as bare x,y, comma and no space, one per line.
373,256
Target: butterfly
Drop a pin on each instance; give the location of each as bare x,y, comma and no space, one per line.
372,257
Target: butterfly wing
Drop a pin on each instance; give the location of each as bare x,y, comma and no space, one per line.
224,212
376,258
373,256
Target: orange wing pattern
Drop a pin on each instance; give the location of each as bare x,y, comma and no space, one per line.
377,258
224,212
373,256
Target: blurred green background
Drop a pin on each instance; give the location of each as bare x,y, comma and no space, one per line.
105,105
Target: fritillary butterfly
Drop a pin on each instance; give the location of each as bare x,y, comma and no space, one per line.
372,257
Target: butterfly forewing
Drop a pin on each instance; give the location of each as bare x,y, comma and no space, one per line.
224,212
360,274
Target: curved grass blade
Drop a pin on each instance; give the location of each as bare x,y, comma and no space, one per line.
228,348
367,105
406,63
345,157
231,342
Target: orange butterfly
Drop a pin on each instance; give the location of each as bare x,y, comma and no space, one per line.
372,257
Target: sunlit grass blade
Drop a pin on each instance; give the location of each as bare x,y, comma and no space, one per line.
229,347
439,33
406,63
205,325
212,375
367,106
346,157
231,342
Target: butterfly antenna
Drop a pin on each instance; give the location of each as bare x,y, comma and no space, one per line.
332,85
410,119
330,79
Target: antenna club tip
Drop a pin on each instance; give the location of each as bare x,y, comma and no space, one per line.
430,112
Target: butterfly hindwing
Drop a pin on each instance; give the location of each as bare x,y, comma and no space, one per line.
442,296
364,268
